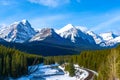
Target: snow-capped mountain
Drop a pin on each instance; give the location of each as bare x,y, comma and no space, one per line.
43,34
109,39
75,35
116,40
83,29
21,31
98,39
108,36
67,40
48,35
68,32
18,32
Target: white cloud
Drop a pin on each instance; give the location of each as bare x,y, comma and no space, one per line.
106,24
2,2
7,2
50,3
47,21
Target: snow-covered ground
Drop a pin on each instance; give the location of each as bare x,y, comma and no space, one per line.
53,72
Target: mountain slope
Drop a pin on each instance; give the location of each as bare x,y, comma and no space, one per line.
18,32
96,37
48,35
110,39
108,36
68,40
76,36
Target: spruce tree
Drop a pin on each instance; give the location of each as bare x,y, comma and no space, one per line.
70,68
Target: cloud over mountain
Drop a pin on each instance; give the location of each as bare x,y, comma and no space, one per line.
50,3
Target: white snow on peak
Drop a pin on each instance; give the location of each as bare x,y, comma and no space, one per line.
24,21
83,29
43,34
66,28
69,31
113,41
96,37
22,31
110,39
108,36
17,32
2,25
74,34
117,39
15,23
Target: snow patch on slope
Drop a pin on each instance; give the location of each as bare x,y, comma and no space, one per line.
22,31
97,38
45,32
68,32
108,36
18,32
110,39
74,34
66,28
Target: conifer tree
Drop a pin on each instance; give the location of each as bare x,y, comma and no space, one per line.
70,68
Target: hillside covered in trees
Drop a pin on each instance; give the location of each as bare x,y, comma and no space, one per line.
14,63
105,62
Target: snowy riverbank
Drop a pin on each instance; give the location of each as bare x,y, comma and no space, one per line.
53,72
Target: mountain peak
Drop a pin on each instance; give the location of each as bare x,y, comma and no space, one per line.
66,28
24,21
47,30
18,32
83,29
108,36
69,25
47,34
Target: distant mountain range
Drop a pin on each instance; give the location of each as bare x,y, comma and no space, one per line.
71,39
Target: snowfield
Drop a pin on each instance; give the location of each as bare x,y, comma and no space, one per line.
53,72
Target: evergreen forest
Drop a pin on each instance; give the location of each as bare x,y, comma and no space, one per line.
14,63
105,62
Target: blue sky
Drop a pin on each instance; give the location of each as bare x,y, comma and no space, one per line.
96,15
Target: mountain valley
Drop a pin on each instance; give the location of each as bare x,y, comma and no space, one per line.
48,41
